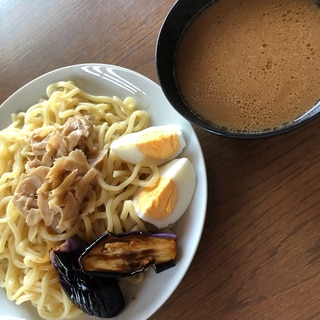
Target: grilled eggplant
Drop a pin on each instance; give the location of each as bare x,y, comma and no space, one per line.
98,296
125,254
88,273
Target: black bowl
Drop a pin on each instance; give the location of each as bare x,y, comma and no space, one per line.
177,20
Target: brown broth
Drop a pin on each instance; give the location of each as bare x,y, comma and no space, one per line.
251,65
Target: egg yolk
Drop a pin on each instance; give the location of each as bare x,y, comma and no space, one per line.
159,201
158,146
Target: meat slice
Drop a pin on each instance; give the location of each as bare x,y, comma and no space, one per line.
26,197
60,178
50,143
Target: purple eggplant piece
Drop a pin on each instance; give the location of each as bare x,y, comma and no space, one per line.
126,254
98,296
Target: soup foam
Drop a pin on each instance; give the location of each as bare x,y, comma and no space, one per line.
251,65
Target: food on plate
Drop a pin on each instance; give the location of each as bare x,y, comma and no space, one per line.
164,203
159,144
98,296
126,254
88,272
58,180
37,142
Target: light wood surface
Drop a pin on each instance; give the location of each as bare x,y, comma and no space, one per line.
259,256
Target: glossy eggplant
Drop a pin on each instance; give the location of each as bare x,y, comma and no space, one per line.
126,254
98,296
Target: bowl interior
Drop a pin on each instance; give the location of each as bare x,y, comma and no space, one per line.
177,20
179,17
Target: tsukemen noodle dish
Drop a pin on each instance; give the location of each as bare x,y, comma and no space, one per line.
89,193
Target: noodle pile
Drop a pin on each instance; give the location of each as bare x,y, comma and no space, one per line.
25,269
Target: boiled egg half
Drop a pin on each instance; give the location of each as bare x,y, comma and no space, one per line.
159,144
164,203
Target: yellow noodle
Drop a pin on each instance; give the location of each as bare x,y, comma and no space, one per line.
25,269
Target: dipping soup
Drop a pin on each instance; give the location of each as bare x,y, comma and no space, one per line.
251,65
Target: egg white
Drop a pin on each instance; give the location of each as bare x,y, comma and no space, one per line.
125,147
182,173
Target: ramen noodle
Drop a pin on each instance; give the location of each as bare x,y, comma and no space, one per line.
25,269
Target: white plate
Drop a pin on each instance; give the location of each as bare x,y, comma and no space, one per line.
144,299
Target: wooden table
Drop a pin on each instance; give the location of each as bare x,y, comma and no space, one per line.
259,256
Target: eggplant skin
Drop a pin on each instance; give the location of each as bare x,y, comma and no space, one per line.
126,254
88,273
100,297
